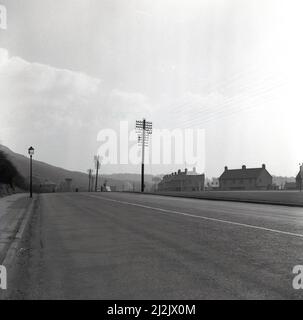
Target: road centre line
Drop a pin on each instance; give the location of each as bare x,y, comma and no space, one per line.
201,217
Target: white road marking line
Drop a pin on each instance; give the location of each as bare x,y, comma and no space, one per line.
202,217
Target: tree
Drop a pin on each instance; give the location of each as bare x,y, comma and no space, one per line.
9,174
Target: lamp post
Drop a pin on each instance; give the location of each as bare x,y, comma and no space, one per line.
31,151
301,175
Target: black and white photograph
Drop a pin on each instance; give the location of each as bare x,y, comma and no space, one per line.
151,153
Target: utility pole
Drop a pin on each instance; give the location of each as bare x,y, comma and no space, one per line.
89,179
143,154
92,183
144,129
97,162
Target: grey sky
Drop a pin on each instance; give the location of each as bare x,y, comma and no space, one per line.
70,68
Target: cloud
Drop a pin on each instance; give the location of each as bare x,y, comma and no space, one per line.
128,105
34,94
39,96
63,109
3,56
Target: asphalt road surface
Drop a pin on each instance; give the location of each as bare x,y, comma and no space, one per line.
133,246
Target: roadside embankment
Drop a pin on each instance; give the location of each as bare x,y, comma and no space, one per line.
287,198
7,190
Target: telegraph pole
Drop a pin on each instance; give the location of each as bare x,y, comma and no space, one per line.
97,172
143,154
92,183
144,129
89,179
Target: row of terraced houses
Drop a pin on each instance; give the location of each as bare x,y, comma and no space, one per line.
231,179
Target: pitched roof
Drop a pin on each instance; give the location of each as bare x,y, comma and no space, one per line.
241,173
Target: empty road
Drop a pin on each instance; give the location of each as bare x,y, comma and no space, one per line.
133,246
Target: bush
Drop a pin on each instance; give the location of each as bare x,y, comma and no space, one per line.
9,174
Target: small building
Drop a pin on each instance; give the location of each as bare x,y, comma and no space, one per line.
182,181
246,179
47,187
290,186
213,184
66,185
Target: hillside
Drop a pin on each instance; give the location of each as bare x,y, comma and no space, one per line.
11,180
44,173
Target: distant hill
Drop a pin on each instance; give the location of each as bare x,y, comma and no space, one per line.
44,173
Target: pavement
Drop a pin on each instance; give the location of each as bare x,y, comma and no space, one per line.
12,209
135,246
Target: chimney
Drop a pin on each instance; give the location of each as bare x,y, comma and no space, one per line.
263,166
225,168
243,167
185,171
179,171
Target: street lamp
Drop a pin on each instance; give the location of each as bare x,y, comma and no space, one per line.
300,175
31,151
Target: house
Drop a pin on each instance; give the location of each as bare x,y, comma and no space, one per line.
245,179
213,184
182,181
290,186
47,187
66,185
